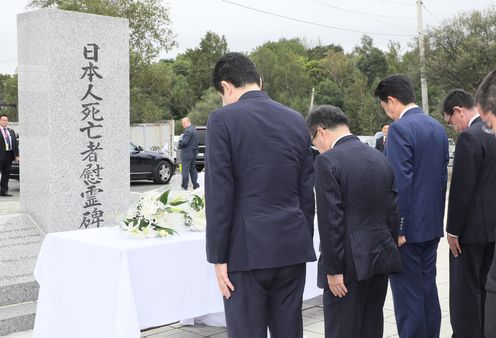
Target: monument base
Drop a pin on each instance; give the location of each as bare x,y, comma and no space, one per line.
20,242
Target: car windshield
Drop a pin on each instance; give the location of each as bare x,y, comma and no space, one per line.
132,147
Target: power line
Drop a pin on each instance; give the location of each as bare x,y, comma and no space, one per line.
428,11
364,14
360,12
312,23
398,2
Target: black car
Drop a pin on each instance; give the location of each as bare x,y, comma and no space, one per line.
150,165
200,158
145,165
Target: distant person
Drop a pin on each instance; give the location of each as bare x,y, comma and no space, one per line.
381,141
9,151
471,222
259,204
358,225
485,100
417,148
189,149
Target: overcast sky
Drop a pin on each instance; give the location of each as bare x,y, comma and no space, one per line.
247,24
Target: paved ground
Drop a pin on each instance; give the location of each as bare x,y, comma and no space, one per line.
313,319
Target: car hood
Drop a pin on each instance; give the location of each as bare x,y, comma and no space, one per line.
157,155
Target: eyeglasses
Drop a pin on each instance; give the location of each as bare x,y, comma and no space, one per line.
315,134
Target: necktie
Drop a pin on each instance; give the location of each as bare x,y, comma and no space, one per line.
8,144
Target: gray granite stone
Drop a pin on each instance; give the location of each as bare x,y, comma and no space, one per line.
20,242
51,89
17,318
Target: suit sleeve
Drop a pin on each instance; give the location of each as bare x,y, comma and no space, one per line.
15,143
305,186
219,189
377,143
330,214
400,156
185,139
466,166
393,215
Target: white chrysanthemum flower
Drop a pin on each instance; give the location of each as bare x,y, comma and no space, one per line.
149,210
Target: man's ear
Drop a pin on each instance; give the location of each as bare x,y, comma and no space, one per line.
227,87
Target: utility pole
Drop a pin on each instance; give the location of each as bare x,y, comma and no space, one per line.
423,80
311,100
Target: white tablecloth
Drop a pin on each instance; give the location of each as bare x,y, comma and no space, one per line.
99,283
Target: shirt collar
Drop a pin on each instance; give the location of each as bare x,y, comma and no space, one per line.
407,109
473,119
339,138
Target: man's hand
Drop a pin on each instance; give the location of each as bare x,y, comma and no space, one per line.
225,285
401,240
17,158
336,284
454,245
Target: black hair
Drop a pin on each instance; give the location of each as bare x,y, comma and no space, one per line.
398,86
457,98
326,116
235,68
2,115
486,93
384,124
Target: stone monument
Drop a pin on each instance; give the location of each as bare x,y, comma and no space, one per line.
74,142
73,118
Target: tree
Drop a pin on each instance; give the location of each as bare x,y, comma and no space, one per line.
282,66
202,61
8,95
151,93
370,60
149,22
460,52
209,102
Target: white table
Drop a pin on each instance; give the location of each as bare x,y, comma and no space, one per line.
99,283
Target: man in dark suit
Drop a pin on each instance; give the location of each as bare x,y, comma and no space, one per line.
358,224
259,204
381,141
471,220
417,149
9,151
485,100
189,149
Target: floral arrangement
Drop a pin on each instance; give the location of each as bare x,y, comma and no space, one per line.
159,215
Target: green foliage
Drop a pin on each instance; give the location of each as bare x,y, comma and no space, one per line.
282,66
151,93
461,50
8,95
149,22
209,102
370,60
202,61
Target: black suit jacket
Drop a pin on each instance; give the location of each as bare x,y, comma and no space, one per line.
379,144
357,212
189,143
258,185
471,208
15,146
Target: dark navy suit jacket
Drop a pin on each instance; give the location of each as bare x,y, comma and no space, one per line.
258,185
13,140
189,143
357,212
417,148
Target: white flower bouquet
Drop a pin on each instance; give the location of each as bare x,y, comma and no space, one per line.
157,215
